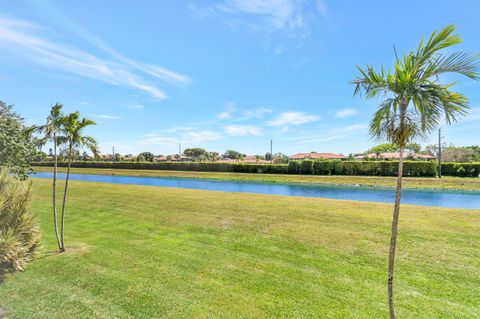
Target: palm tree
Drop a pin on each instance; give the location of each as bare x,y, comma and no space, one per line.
75,140
50,132
415,102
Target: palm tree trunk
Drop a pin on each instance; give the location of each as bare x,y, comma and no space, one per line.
393,238
55,225
62,249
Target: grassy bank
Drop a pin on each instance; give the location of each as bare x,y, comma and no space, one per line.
447,182
141,252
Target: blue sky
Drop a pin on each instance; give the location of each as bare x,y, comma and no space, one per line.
226,74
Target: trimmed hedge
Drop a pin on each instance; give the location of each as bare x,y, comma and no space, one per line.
374,168
176,166
461,169
370,168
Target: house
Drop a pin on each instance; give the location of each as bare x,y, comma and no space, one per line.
315,155
130,157
171,158
395,156
253,159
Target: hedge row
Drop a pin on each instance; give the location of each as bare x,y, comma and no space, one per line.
372,168
380,168
461,169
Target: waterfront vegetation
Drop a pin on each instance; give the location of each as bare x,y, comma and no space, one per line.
138,251
446,182
303,167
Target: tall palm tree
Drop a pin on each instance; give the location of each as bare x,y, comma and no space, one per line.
51,132
75,140
415,102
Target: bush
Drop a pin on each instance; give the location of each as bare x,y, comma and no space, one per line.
19,235
460,171
294,167
370,168
306,167
451,169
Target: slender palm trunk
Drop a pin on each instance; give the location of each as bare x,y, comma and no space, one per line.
62,248
393,238
55,225
396,214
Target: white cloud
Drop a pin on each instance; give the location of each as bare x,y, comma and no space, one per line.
256,113
135,106
345,113
108,117
279,13
202,136
242,130
185,135
323,9
30,42
231,108
225,115
293,118
331,134
285,16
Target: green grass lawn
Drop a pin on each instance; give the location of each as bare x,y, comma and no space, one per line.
446,182
152,252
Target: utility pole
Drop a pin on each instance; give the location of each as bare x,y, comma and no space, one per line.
180,149
271,151
113,153
439,153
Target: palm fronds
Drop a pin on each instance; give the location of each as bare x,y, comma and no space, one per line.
19,235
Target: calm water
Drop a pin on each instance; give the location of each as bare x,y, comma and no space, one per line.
452,199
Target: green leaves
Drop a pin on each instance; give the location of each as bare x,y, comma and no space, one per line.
415,84
67,130
17,147
19,235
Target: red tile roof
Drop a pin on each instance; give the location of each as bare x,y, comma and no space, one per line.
315,155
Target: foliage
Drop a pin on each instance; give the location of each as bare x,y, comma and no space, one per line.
17,147
294,167
469,169
195,153
19,236
389,147
306,167
416,101
214,156
279,158
146,156
371,168
452,153
231,154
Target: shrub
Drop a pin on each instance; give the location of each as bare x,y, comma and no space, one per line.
19,235
306,167
293,167
461,171
370,168
451,169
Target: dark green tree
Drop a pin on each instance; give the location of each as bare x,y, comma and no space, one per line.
146,156
17,146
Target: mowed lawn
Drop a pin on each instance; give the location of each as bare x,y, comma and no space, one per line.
151,252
